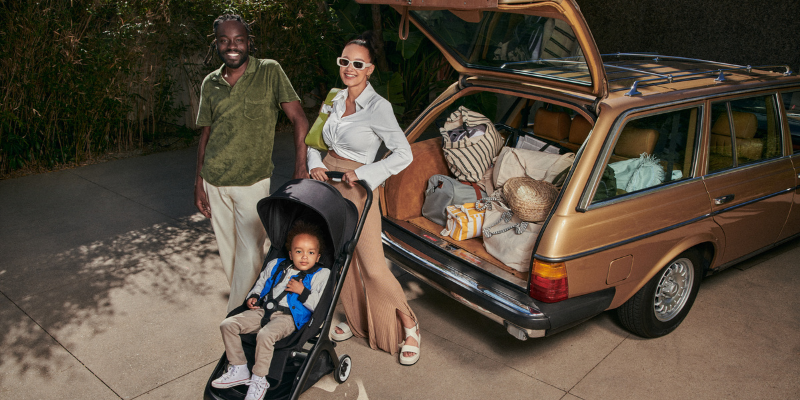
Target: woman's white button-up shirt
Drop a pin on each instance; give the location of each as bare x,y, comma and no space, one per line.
358,137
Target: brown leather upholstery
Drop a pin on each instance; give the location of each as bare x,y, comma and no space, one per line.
746,149
579,129
551,125
405,192
745,126
633,142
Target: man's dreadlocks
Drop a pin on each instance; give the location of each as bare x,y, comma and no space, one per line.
217,22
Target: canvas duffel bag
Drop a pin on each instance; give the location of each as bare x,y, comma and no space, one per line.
512,163
446,191
506,237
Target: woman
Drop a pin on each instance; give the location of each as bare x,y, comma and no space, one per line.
373,300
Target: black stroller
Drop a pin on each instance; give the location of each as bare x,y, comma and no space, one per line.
308,354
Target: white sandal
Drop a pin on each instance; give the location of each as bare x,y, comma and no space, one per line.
407,348
346,332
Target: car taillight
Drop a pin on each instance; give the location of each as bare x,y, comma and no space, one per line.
549,282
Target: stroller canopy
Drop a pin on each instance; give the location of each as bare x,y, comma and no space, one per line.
313,201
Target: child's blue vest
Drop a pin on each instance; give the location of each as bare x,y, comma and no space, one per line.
299,312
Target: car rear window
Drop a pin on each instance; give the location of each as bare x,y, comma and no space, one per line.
755,134
507,42
650,151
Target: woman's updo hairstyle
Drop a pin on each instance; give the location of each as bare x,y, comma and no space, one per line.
367,41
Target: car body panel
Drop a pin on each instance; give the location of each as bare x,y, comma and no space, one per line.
792,226
762,197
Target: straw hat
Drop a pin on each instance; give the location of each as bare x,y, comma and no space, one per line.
529,199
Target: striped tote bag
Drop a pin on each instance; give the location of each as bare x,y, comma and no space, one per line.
477,144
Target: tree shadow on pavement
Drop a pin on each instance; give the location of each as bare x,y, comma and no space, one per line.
99,297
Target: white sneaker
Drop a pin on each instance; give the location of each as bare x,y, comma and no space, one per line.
236,375
258,387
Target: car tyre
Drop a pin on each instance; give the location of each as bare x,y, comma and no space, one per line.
343,370
662,304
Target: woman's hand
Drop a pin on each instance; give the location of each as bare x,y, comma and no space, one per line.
319,174
350,178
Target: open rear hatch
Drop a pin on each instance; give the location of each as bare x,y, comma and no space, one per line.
544,42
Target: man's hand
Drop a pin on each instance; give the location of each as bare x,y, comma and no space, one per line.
295,286
300,171
200,195
251,303
201,200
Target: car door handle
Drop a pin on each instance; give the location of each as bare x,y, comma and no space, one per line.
722,200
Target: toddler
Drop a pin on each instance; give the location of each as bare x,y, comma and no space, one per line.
285,295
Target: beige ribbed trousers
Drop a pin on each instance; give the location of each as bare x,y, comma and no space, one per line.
241,237
371,294
280,325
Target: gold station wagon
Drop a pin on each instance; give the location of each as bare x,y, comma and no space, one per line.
724,137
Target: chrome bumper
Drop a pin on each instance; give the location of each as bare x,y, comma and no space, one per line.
467,284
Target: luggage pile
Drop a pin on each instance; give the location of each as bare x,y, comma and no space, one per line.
499,193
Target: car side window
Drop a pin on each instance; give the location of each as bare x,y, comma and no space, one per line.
754,136
650,151
791,103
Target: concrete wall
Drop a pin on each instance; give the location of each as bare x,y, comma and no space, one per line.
746,32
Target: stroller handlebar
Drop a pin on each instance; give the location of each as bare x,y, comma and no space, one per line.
337,176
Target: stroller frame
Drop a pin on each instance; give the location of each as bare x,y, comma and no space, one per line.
294,367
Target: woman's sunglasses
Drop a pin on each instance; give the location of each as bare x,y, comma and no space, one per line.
359,65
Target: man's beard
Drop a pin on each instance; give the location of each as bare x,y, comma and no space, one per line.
233,65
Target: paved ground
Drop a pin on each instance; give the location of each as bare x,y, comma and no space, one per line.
110,287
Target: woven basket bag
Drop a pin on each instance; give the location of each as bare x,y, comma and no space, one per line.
530,200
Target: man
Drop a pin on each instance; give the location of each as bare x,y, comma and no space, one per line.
239,105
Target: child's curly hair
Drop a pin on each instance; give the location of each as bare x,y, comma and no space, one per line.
307,228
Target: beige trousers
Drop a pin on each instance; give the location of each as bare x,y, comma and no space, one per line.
371,295
240,235
280,325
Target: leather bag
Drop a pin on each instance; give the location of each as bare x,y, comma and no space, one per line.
314,135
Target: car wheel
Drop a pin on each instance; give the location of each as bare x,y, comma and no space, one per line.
662,304
343,370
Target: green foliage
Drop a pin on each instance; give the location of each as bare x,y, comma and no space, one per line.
85,77
80,78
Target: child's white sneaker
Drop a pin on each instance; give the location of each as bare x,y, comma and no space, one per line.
236,375
258,387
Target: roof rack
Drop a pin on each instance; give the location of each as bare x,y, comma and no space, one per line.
683,75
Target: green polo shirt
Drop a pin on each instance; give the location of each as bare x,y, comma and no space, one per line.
242,120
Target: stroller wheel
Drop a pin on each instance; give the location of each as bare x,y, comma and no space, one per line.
343,370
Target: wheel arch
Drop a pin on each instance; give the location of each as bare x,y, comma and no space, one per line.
705,245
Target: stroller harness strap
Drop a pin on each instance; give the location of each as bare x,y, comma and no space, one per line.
299,312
